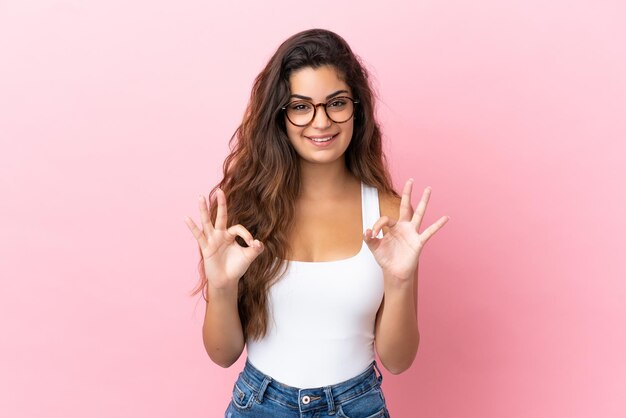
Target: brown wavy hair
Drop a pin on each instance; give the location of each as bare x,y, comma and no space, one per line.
262,172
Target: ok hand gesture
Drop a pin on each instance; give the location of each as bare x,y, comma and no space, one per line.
225,261
398,251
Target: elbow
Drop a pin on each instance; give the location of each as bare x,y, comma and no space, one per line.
223,359
399,364
223,356
395,371
400,367
223,363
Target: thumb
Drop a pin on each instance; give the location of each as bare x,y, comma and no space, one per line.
372,243
255,249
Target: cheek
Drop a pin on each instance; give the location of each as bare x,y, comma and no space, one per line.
349,130
293,132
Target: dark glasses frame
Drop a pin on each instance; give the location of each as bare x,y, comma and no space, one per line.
315,106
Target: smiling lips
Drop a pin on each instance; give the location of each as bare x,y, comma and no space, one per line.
321,139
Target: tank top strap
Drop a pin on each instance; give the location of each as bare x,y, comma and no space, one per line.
369,207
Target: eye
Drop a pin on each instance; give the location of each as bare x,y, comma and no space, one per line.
300,107
337,103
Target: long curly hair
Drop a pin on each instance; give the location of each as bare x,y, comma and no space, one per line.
262,172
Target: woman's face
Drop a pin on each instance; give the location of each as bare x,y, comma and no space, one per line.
311,142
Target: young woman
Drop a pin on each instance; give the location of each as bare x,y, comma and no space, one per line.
308,256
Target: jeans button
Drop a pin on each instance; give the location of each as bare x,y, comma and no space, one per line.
306,399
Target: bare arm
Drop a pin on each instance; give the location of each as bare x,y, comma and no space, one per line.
397,333
225,262
396,329
222,333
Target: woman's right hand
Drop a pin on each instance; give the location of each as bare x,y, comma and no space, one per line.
225,261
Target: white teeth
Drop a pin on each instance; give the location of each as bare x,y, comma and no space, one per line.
321,139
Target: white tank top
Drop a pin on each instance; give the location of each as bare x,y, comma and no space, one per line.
322,316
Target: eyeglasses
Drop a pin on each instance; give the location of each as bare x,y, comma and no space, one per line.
302,112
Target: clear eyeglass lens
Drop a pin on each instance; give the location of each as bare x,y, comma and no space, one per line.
338,110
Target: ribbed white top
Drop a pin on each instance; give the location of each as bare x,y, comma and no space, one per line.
322,315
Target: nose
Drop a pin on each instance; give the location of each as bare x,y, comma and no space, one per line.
321,119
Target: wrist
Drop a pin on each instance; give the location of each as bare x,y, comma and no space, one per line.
394,282
228,290
398,290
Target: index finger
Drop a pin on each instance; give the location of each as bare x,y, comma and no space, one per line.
221,218
421,208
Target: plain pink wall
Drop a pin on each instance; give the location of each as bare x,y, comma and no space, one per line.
115,115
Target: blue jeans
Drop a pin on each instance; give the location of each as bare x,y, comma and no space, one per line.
258,395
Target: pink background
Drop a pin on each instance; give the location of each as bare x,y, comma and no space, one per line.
115,115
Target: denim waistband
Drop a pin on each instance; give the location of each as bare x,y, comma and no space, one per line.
311,398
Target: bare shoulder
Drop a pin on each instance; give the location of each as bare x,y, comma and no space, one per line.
389,206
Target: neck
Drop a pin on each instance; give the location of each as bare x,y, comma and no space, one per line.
323,181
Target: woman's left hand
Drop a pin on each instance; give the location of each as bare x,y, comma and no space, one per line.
399,249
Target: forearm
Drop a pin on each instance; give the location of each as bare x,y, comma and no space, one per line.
222,332
397,336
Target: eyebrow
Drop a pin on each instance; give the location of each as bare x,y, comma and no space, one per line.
299,96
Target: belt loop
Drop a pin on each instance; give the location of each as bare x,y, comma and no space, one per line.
329,400
380,375
264,385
